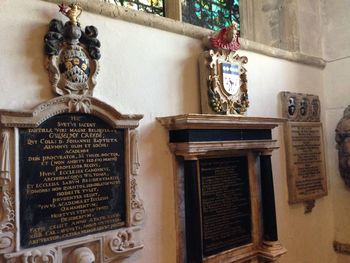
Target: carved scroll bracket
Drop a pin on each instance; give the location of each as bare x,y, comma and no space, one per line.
122,243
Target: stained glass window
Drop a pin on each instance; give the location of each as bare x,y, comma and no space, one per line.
149,6
212,14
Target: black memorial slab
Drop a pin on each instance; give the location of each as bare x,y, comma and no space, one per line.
218,206
225,204
71,179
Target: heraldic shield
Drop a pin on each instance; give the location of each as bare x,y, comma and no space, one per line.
223,77
72,54
230,77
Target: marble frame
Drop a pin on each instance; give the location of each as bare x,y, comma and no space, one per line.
112,245
265,247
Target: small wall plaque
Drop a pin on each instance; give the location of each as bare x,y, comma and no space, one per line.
306,169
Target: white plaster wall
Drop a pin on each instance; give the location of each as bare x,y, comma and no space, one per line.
336,36
337,51
155,73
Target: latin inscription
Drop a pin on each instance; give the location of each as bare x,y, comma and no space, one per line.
71,179
307,161
225,201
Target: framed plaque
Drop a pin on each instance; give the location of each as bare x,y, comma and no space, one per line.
71,179
306,162
68,180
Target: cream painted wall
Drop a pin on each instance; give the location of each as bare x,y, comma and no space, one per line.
337,78
155,73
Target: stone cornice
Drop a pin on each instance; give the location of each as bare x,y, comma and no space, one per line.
170,25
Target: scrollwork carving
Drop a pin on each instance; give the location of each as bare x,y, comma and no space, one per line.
122,241
79,104
7,223
5,158
138,211
43,255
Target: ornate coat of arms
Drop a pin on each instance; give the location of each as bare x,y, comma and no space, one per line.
223,75
72,54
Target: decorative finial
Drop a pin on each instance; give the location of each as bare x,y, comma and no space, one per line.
226,38
72,11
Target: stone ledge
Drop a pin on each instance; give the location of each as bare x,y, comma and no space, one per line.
170,25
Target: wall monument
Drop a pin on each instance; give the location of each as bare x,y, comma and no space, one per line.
306,169
68,168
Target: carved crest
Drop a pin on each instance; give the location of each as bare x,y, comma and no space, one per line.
300,107
226,38
224,82
72,54
223,75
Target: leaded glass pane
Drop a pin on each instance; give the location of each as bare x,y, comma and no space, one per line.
212,14
149,6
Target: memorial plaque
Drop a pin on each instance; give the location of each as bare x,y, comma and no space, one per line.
225,204
71,179
69,166
306,164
